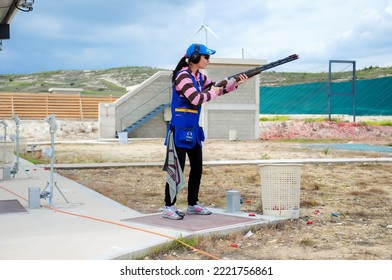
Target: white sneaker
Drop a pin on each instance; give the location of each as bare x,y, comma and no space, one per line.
171,212
198,209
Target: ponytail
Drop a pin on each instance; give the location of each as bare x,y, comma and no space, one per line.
181,64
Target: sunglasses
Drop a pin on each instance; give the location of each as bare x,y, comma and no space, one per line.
206,56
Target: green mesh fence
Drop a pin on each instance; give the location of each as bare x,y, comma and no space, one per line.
373,97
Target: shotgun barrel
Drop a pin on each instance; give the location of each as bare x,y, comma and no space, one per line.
255,71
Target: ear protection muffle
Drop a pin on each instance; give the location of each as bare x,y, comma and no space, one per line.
195,56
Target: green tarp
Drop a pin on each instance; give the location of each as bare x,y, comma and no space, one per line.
373,97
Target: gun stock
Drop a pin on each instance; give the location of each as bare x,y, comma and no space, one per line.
255,71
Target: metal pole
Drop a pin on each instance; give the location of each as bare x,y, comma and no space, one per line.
329,91
354,91
17,145
15,169
51,167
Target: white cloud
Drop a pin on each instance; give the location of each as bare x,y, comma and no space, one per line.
88,34
388,9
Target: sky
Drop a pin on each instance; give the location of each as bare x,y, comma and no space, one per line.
98,34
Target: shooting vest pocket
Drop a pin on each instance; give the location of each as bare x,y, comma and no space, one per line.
185,137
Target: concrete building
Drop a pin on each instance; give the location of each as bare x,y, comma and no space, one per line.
236,113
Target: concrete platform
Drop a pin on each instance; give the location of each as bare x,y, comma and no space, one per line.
91,226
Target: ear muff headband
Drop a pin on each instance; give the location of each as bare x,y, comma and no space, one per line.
195,56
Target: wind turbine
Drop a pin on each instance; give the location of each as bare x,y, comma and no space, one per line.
205,27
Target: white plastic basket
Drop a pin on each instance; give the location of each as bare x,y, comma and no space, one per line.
280,190
7,152
123,138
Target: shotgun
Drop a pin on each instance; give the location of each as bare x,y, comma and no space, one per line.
255,71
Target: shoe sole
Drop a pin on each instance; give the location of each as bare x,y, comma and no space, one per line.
173,218
200,213
181,214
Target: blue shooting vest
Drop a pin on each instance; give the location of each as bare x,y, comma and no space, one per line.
185,118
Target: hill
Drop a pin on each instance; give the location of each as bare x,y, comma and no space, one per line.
103,82
114,81
273,78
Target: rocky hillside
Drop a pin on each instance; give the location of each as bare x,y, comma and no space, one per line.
108,81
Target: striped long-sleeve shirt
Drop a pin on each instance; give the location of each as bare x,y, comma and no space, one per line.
185,87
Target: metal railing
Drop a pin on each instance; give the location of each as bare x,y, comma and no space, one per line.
141,107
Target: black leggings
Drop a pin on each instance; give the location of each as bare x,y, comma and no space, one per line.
195,156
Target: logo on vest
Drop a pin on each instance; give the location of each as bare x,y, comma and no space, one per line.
189,136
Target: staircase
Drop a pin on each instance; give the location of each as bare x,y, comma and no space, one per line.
145,118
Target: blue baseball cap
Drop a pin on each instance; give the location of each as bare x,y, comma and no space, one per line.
202,50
